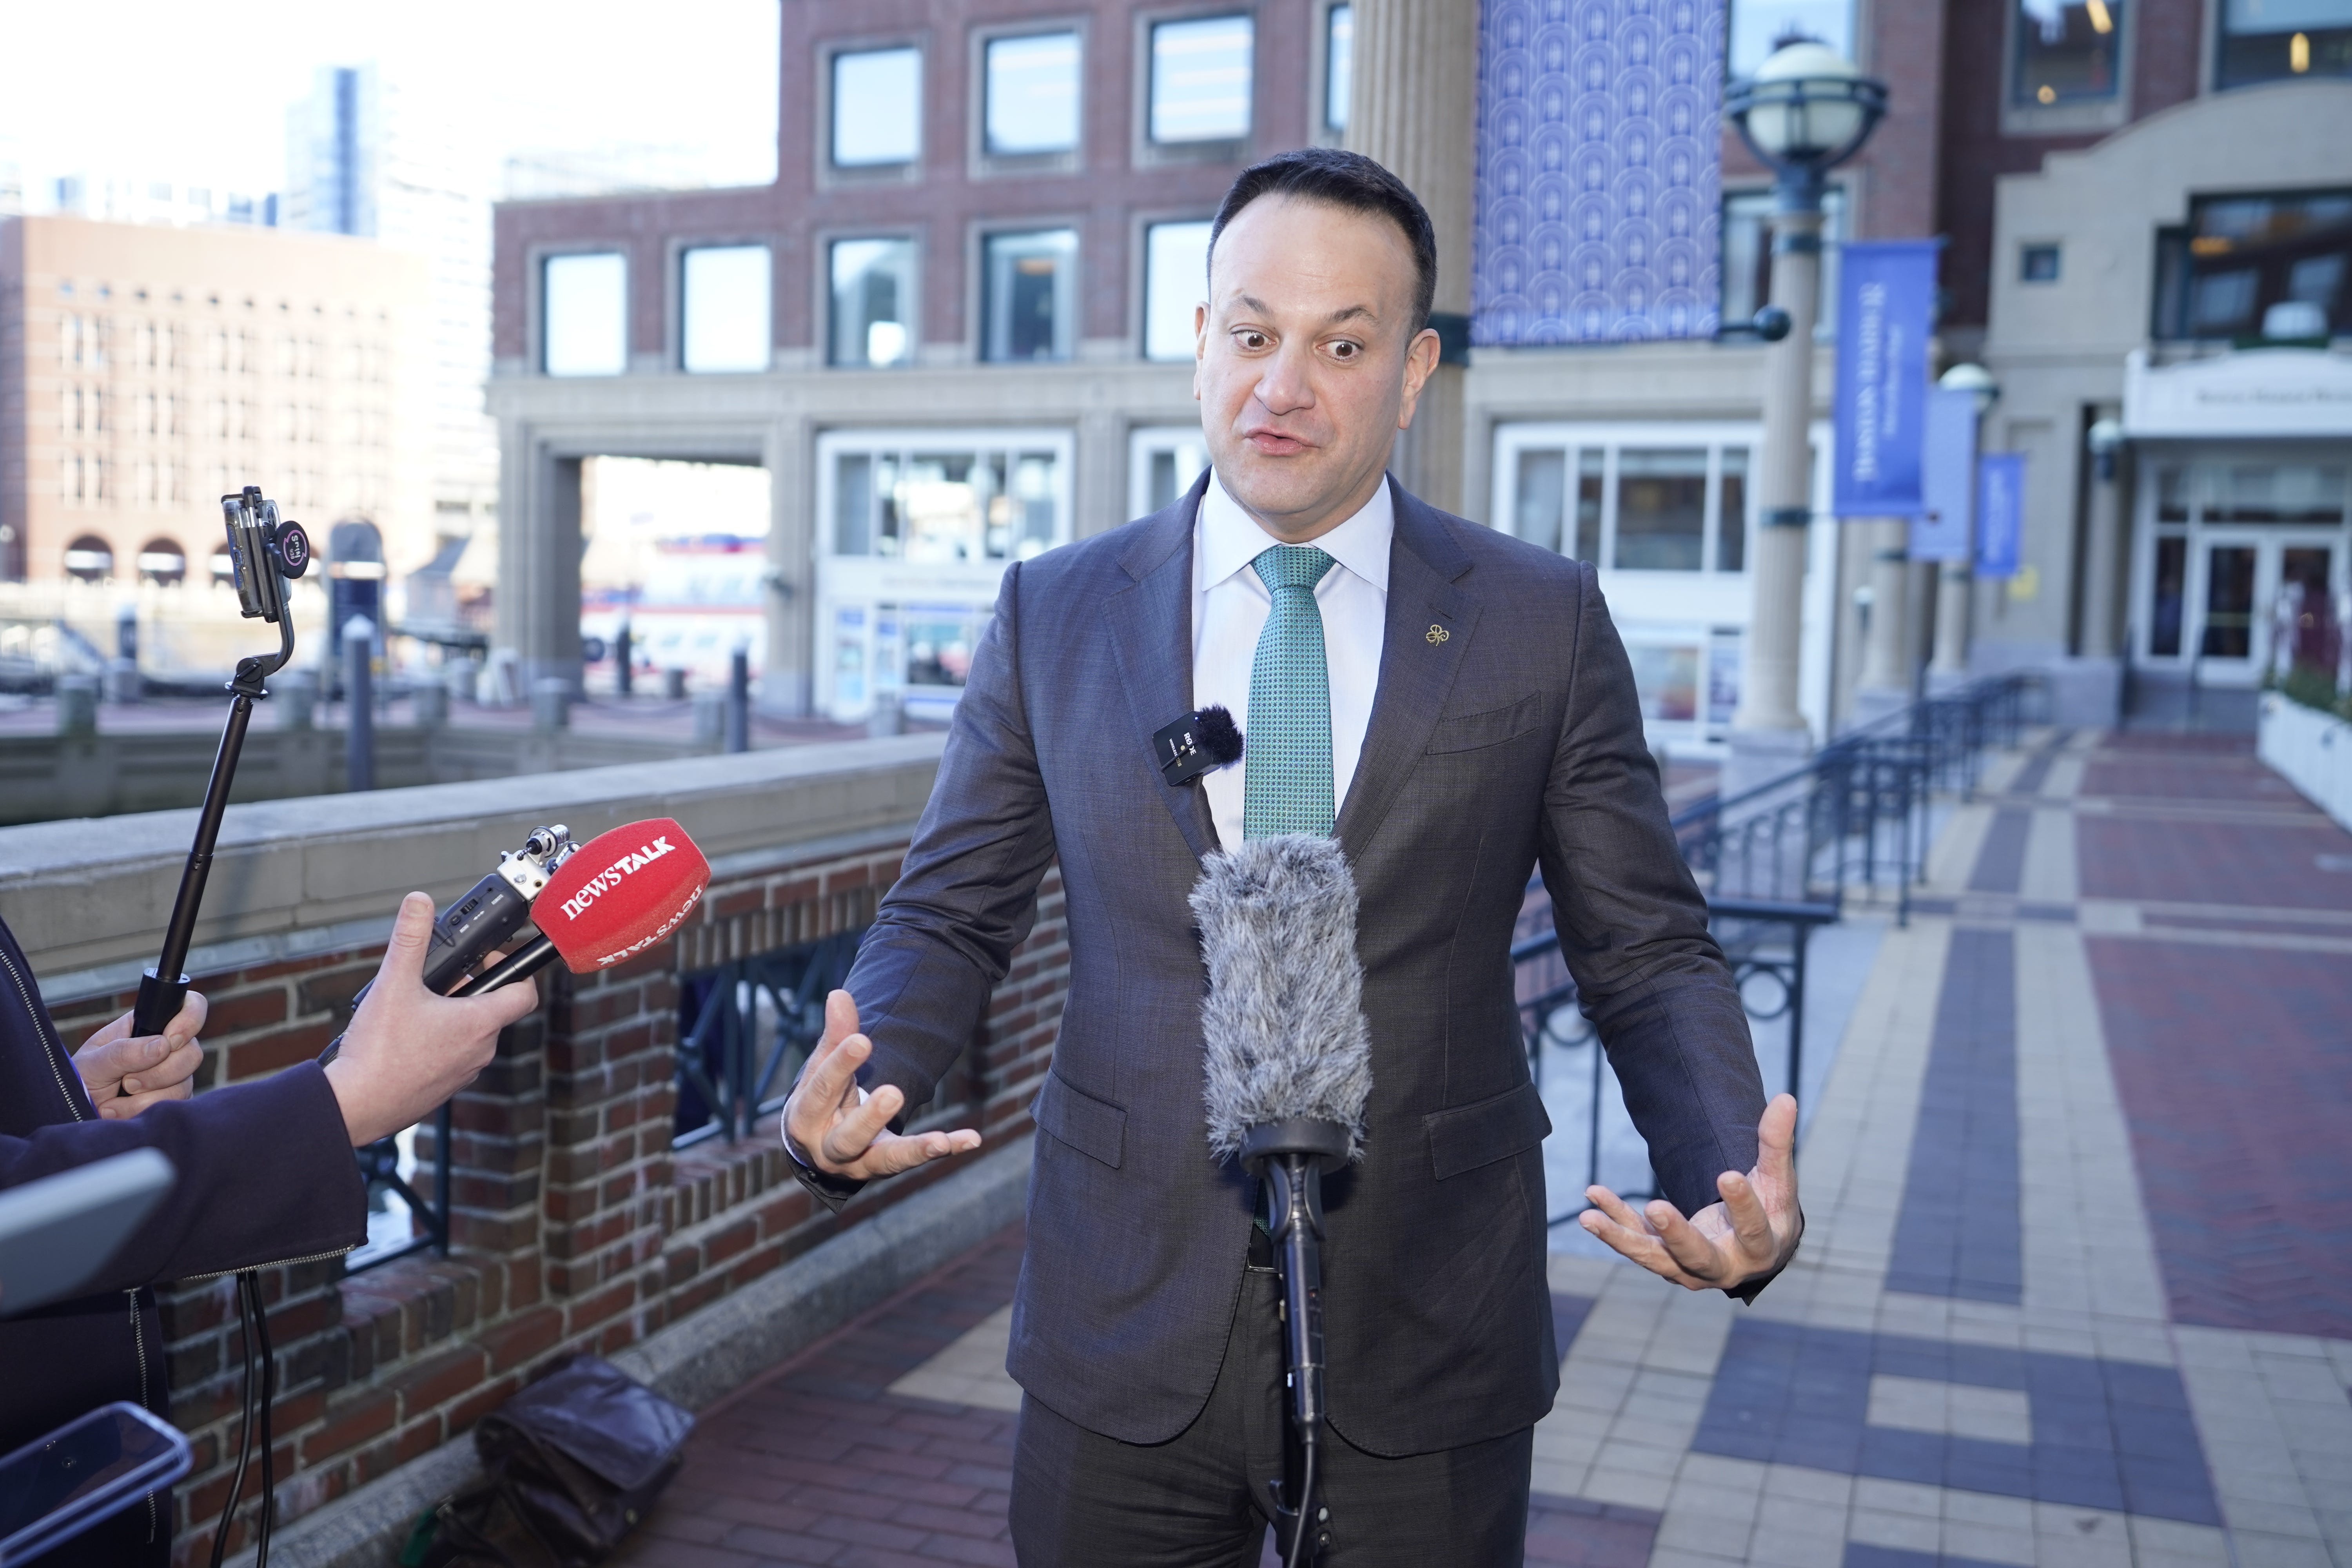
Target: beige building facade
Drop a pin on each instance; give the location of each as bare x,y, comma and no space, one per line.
146,371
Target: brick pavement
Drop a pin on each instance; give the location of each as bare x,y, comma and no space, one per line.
2116,1023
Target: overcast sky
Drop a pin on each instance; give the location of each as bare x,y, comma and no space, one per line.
197,89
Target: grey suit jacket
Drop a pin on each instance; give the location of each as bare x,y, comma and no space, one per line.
1505,735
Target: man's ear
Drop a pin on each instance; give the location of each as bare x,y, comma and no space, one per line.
1200,346
1420,365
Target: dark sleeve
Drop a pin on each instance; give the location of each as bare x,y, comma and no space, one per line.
1632,928
945,932
266,1176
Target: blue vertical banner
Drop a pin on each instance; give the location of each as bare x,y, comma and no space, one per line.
1887,298
2001,512
1948,478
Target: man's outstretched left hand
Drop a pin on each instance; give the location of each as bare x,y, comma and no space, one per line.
1747,1235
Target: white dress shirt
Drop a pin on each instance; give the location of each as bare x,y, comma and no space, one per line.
1228,610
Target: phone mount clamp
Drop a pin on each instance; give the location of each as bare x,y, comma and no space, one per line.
266,555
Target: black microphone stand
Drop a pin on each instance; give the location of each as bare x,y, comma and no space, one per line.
1291,1158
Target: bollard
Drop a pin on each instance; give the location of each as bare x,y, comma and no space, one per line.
77,705
738,701
673,685
359,704
459,677
709,720
624,654
295,693
551,704
122,682
431,701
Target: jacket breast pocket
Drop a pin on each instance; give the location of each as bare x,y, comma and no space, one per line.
1093,1127
1472,732
1485,1131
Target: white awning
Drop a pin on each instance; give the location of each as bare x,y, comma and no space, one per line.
2274,393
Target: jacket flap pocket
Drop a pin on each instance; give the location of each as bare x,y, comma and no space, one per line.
1469,1136
1471,731
1091,1126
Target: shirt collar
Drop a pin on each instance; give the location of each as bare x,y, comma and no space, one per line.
1226,539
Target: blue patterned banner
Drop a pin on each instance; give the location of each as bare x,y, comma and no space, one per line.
1599,209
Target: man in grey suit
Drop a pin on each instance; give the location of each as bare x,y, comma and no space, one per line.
1455,706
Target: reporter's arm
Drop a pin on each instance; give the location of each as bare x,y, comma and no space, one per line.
266,1176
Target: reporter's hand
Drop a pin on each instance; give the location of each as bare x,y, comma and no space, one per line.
834,1131
407,1050
125,1073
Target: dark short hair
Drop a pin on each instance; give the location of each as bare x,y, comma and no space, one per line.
1341,179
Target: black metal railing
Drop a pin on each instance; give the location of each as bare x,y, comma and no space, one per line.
386,1166
1765,943
1857,816
744,1029
1778,863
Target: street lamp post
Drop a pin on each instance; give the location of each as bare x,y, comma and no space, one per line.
1954,587
1806,111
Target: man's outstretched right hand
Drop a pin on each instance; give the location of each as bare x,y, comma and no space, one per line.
831,1126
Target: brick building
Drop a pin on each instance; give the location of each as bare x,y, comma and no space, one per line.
146,370
954,329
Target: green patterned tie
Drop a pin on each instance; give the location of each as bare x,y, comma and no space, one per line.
1287,773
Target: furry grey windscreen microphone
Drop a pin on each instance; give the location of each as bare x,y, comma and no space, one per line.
1284,1020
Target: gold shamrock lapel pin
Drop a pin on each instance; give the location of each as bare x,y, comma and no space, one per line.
1436,634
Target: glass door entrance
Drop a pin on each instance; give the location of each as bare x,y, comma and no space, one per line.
2234,556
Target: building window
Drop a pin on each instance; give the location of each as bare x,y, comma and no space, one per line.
1201,79
2037,264
1175,281
585,314
946,507
1748,256
1029,286
2068,51
873,301
723,312
1338,65
1033,94
163,561
1162,461
2267,40
877,107
2250,266
1661,509
89,559
1760,27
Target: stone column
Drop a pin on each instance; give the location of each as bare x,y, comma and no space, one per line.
1769,734
1415,110
785,683
1884,684
537,602
1953,591
2103,557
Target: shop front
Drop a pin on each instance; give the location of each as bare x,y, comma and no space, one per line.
915,530
2242,524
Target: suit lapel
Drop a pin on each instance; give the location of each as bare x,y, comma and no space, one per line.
1425,637
1152,637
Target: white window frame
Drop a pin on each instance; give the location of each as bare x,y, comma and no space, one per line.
1148,441
1686,609
845,582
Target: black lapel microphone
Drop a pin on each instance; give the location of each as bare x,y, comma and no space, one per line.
1199,743
1289,1068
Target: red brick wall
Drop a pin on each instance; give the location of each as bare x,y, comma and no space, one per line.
575,1226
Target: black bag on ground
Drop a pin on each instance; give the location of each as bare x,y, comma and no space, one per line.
574,1461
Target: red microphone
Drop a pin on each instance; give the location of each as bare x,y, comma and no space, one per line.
612,899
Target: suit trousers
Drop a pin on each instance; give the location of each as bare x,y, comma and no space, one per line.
1201,1500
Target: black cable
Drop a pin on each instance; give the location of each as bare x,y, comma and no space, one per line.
245,1441
268,1407
1298,1552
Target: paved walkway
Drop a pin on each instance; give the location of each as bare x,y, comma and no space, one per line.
2076,1289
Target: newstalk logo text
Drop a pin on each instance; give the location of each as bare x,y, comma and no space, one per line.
611,876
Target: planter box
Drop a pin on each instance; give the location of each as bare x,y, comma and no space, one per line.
2310,750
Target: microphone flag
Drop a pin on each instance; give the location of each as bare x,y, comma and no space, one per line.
620,893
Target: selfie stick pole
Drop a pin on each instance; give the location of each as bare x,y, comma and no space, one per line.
163,987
